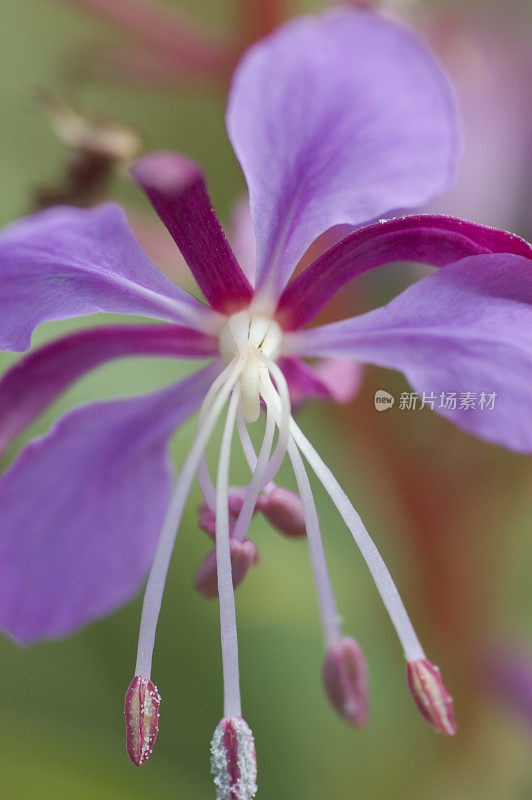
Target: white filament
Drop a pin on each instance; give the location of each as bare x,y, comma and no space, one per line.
327,604
157,577
379,571
228,630
257,481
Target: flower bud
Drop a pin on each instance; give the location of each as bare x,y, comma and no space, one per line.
243,556
233,760
284,510
432,699
141,709
346,681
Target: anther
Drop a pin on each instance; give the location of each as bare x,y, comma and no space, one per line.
431,696
345,679
141,710
233,760
243,556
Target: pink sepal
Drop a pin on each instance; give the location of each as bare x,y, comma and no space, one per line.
346,682
141,710
431,696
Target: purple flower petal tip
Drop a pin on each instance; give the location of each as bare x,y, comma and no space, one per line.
167,174
431,696
233,760
364,146
345,679
141,710
284,510
243,556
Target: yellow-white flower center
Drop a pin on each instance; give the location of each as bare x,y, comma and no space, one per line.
251,338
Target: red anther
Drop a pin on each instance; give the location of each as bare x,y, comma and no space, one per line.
207,520
243,556
233,760
431,696
346,682
141,709
284,510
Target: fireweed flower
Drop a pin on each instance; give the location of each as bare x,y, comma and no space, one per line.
336,120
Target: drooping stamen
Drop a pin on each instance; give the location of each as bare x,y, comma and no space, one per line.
346,682
228,630
379,571
157,577
431,696
326,601
324,590
233,760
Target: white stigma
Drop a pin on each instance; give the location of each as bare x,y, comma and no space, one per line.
250,337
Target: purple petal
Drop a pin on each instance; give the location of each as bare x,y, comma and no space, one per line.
435,240
337,119
67,262
335,379
467,330
177,189
81,510
34,382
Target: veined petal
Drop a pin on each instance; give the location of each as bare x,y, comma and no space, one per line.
68,262
428,239
465,331
34,382
81,510
337,119
177,190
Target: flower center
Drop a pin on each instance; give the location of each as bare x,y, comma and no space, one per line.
250,338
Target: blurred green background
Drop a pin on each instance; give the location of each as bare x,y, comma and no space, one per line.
61,702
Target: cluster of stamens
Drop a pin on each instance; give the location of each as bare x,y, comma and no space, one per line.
250,344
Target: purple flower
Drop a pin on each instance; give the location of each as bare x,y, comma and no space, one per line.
336,120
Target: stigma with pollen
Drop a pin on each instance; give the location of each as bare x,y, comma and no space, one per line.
251,338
